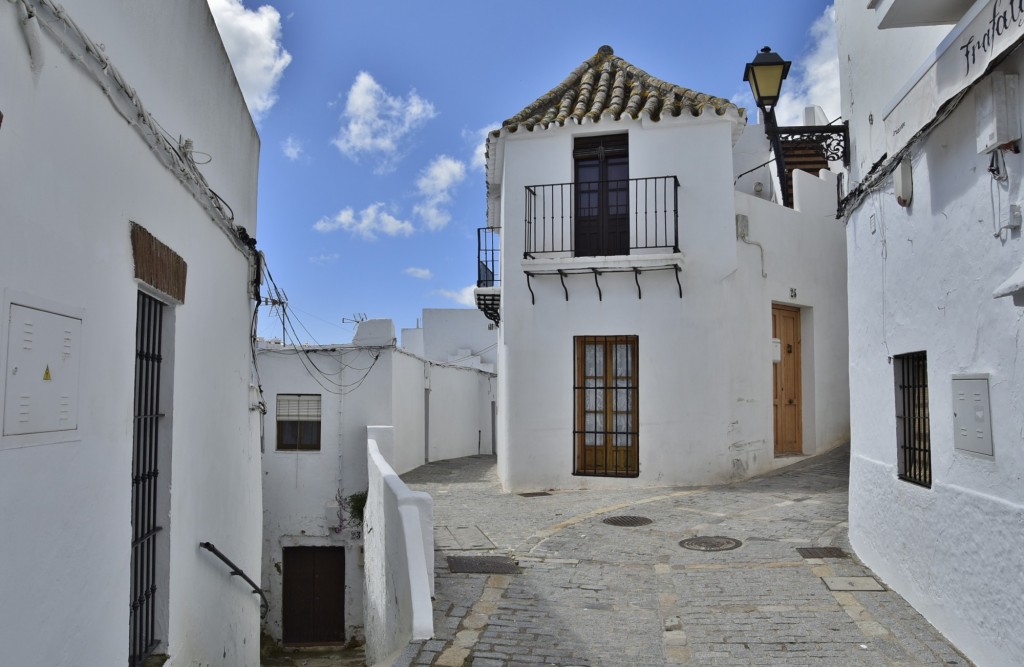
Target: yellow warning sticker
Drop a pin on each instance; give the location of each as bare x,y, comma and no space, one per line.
46,375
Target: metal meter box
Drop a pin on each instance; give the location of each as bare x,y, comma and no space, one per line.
972,420
41,379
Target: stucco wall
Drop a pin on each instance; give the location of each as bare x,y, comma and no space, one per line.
446,331
359,387
921,279
399,561
74,177
705,373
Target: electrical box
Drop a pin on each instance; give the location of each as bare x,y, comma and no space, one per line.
41,383
776,351
742,226
972,421
996,111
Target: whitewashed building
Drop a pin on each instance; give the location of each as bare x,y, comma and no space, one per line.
936,297
320,403
129,428
462,336
636,274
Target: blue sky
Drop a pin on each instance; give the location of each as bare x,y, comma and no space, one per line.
371,116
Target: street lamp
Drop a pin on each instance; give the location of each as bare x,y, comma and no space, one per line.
765,75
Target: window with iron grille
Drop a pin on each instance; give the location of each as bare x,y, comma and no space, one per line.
607,408
145,552
913,430
298,422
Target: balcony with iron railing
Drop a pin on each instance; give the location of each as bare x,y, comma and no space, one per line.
602,218
488,272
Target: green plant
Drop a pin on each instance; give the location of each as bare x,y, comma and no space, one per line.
355,504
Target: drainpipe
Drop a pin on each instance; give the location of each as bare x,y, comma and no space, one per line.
426,412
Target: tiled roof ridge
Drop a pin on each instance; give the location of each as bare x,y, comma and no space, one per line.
606,84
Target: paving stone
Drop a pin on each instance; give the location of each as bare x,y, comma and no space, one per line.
595,595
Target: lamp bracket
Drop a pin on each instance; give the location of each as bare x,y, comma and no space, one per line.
833,139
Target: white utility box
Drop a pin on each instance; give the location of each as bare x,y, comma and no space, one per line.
996,111
972,420
41,383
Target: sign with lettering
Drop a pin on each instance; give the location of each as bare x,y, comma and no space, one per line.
981,37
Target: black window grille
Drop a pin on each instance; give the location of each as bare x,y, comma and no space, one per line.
488,257
298,422
913,430
606,420
145,472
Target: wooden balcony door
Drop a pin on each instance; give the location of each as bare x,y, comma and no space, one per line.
787,399
602,195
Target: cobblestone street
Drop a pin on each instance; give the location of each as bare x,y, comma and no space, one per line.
590,593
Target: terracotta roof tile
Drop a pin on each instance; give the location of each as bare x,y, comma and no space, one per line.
606,85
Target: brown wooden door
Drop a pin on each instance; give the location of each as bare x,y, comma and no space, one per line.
313,607
788,413
607,406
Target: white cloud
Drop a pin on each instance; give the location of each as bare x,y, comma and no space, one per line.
434,185
463,296
817,75
479,139
252,39
292,148
369,222
324,258
376,123
422,274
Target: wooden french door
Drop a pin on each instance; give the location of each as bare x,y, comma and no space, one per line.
787,398
313,609
602,195
607,406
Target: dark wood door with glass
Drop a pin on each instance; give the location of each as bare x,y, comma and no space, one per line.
607,408
313,606
602,195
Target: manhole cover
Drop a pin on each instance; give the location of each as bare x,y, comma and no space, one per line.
534,494
710,543
821,552
627,521
482,565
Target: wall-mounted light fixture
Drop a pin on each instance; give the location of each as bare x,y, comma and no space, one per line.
765,75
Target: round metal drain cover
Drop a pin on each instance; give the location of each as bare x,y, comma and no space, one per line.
710,543
627,521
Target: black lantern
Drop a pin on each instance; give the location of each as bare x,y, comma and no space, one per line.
765,75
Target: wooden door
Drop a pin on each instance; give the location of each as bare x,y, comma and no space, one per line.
313,605
787,398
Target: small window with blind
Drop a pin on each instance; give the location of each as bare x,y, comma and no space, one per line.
298,422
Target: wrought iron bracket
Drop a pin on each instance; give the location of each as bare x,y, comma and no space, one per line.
600,296
561,274
833,139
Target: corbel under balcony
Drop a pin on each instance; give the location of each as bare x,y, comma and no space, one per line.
599,266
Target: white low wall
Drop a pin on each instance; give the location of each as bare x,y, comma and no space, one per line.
398,531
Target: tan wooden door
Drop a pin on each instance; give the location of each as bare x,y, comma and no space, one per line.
788,412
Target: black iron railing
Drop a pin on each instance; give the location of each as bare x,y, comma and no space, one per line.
602,218
488,257
237,571
914,430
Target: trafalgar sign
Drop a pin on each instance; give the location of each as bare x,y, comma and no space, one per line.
984,34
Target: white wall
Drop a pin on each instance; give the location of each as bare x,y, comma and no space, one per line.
705,396
449,331
399,560
74,176
300,487
921,279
